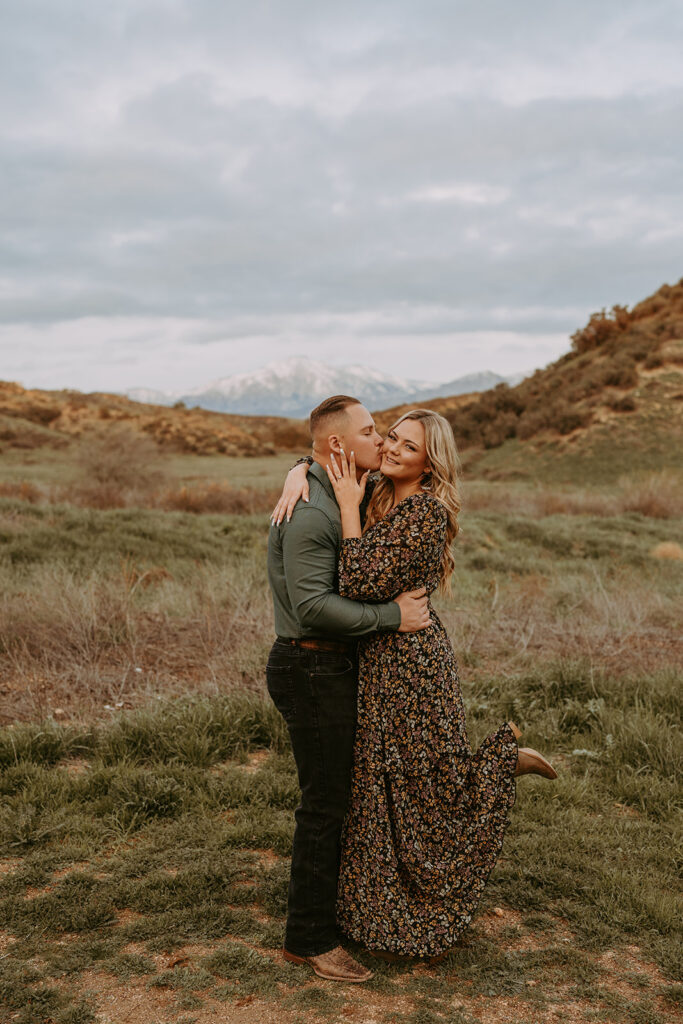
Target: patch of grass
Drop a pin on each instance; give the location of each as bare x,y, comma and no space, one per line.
74,954
197,732
128,965
189,1001
247,972
30,1000
173,844
429,1013
76,904
672,994
184,978
319,1000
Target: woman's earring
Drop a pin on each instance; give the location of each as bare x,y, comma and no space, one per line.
426,481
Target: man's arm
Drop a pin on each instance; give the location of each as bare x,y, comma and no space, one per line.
310,554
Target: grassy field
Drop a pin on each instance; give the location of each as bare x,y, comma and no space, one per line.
146,860
61,467
148,789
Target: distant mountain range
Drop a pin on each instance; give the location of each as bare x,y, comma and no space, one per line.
292,387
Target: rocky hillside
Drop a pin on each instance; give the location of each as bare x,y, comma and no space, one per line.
623,376
33,418
450,407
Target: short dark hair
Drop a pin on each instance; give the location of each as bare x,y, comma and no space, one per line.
330,407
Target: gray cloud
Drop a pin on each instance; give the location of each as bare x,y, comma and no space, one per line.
390,171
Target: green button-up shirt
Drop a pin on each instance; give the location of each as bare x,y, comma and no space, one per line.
302,571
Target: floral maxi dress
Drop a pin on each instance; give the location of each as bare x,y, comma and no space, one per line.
426,816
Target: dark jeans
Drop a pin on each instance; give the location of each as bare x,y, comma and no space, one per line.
315,691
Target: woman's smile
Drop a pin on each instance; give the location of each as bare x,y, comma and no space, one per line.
404,457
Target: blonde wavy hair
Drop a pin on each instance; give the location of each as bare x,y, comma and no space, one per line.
441,480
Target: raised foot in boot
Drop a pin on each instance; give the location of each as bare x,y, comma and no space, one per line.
530,762
337,965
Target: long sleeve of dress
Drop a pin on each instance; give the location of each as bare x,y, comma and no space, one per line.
377,566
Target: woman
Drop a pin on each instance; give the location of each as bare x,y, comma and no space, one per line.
426,816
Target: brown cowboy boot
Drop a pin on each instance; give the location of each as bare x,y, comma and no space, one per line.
530,762
337,965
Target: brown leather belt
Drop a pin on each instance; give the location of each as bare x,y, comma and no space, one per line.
315,644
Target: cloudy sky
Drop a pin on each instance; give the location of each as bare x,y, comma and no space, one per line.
193,188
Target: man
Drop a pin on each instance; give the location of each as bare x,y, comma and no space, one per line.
312,678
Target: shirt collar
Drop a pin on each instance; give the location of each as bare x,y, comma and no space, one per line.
320,473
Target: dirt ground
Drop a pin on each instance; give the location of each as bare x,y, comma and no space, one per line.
627,972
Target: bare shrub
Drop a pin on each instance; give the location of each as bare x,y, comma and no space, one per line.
566,418
217,498
117,467
600,328
494,433
24,491
94,495
658,494
41,412
120,457
537,502
532,422
622,403
291,435
621,373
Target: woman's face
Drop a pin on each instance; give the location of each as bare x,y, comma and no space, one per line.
404,455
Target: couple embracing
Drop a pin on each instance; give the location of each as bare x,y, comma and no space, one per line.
400,822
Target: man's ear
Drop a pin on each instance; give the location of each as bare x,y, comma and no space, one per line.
335,443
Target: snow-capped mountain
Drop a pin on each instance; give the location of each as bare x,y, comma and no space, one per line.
151,397
292,387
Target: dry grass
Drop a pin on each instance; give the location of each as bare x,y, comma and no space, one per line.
619,623
108,608
23,491
197,498
83,645
119,468
658,495
216,497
